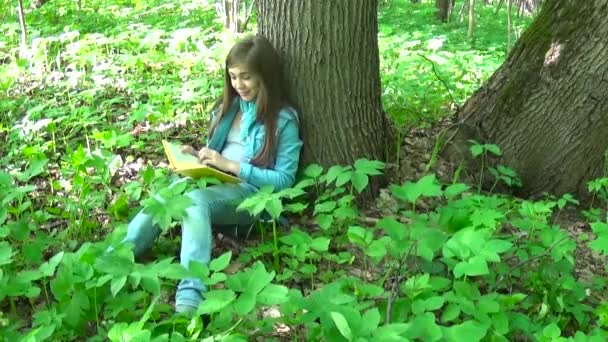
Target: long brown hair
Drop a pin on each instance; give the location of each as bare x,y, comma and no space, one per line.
261,59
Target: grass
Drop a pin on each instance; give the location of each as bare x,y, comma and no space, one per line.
80,119
428,68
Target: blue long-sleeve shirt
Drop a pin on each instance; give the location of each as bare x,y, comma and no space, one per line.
282,173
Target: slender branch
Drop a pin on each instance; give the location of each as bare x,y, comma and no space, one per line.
249,13
502,278
440,79
499,6
393,293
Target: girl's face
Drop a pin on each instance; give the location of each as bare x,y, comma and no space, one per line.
246,83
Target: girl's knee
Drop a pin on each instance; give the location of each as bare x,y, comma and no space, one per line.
200,197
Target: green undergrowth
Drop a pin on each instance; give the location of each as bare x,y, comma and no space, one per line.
428,68
470,266
80,118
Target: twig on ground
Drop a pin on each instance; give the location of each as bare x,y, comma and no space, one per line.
502,278
440,79
395,285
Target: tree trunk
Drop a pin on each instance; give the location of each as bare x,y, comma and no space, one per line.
23,44
546,106
230,12
509,7
444,9
528,7
38,3
471,18
330,51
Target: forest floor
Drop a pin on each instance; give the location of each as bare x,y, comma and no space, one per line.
416,155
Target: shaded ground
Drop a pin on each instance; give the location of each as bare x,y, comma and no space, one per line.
417,153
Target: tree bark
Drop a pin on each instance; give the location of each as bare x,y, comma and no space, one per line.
331,61
528,7
471,18
444,9
23,44
546,106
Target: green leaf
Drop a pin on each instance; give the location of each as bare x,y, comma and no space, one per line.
296,208
320,244
174,271
304,183
273,294
419,306
475,266
324,221
116,332
416,285
344,178
290,193
434,303
376,250
424,328
426,186
451,312
274,207
325,207
6,253
498,246
600,244
342,325
359,236
220,263
486,217
395,229
500,322
494,149
258,277
73,311
333,173
117,284
313,170
36,167
455,190
151,284
360,181
469,331
476,150
215,278
369,167
393,332
48,268
216,300
245,303
369,321
552,331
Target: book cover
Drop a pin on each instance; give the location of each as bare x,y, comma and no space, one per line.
188,165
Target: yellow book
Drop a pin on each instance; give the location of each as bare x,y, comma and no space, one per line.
188,165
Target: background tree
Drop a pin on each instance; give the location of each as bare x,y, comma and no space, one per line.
330,50
23,41
235,13
546,106
525,7
444,9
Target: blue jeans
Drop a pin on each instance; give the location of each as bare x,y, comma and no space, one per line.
214,205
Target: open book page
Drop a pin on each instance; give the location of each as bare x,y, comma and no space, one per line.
179,159
188,165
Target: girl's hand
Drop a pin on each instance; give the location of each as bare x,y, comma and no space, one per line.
213,158
189,150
